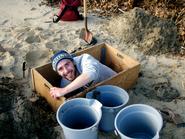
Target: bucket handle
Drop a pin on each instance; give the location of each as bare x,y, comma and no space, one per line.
156,136
95,128
116,132
95,104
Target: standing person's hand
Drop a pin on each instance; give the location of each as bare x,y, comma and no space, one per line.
56,92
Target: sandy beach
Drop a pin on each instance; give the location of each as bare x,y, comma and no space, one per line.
27,34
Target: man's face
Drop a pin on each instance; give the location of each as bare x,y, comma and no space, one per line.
66,69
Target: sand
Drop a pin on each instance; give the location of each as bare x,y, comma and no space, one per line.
27,34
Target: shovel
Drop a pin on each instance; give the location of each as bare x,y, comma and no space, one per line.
85,34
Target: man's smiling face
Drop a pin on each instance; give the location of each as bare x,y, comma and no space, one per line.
66,69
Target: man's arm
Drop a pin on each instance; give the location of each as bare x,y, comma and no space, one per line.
80,81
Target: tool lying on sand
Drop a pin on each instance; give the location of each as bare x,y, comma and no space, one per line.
85,34
68,11
24,68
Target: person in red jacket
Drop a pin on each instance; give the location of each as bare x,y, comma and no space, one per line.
68,11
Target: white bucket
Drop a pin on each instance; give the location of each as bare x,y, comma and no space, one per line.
113,99
79,118
138,121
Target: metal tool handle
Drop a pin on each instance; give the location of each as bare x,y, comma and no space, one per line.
85,8
85,14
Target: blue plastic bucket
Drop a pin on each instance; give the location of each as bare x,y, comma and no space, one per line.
138,121
79,118
113,99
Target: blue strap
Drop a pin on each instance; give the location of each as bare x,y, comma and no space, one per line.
103,55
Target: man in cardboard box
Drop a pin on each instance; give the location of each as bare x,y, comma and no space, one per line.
77,72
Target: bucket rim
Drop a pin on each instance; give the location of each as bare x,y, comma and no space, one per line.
116,87
78,130
140,105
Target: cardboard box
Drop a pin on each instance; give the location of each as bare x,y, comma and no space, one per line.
44,77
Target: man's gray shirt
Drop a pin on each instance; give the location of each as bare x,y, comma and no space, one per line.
97,72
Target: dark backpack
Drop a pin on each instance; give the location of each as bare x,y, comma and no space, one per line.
68,11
